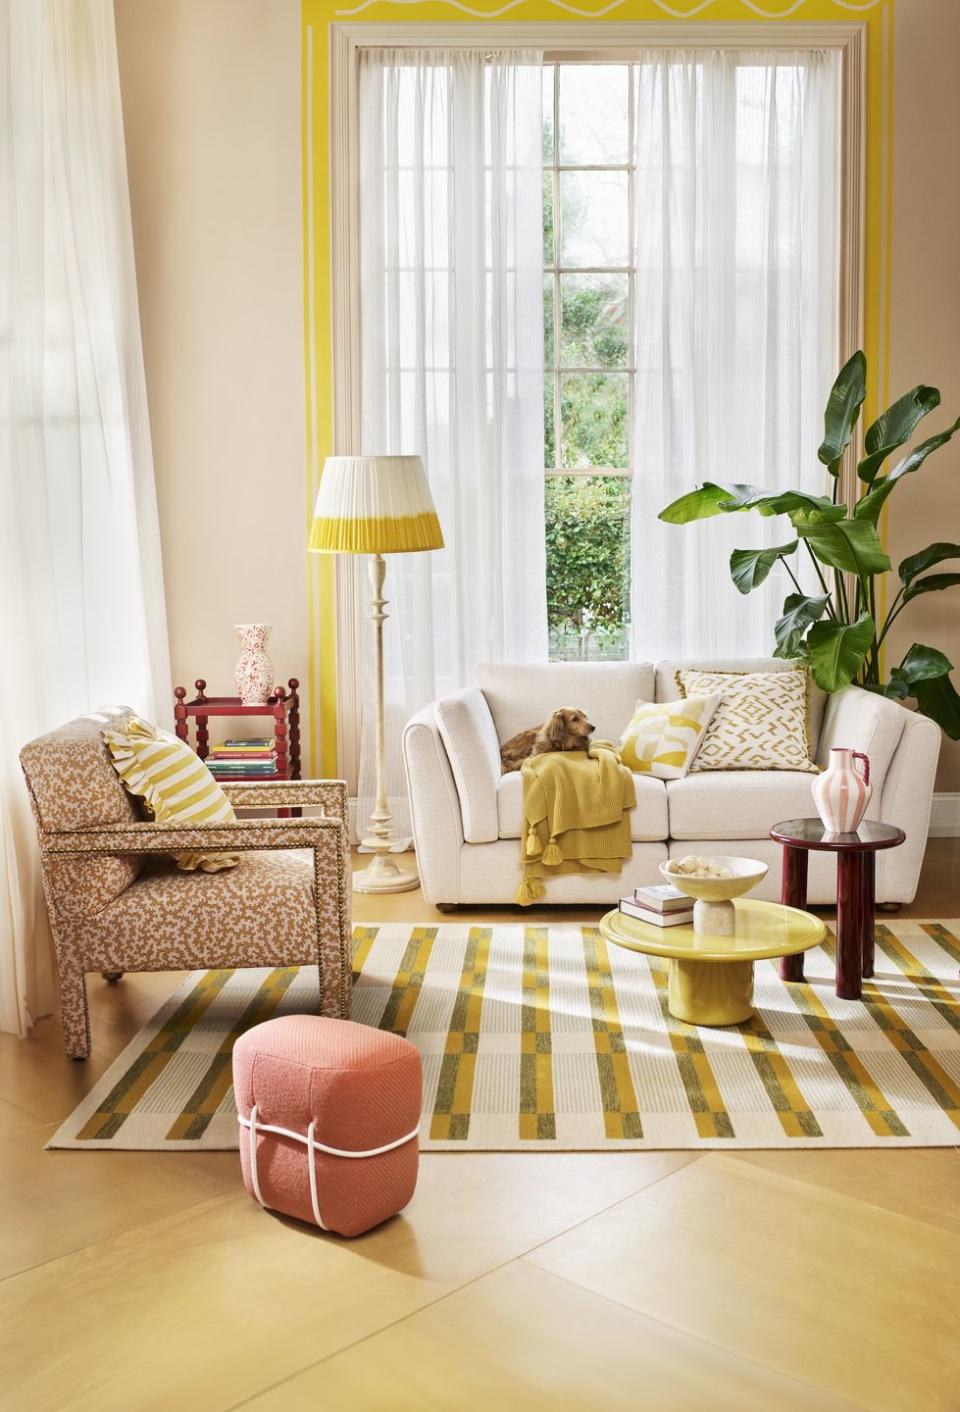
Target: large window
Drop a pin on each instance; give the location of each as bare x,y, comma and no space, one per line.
588,355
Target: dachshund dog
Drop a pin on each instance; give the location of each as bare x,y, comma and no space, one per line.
566,729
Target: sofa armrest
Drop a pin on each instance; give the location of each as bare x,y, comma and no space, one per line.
434,808
473,749
863,720
906,802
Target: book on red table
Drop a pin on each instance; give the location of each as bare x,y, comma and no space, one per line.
630,907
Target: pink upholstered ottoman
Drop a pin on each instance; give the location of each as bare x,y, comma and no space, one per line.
329,1114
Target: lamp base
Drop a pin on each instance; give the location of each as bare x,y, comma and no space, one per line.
382,874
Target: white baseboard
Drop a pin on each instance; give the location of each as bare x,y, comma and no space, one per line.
945,816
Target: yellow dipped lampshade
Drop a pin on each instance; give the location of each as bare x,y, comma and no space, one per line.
374,505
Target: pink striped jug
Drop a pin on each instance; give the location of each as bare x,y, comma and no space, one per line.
843,792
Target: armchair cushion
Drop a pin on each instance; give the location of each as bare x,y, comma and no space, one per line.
259,913
72,785
470,740
173,783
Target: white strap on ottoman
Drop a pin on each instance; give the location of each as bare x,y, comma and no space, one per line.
254,1126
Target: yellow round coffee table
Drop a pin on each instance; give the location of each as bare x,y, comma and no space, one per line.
711,977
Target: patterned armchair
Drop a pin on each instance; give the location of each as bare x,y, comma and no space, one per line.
118,903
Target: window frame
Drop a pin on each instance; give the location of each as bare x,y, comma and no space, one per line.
593,42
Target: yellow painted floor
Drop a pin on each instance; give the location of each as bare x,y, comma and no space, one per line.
761,1282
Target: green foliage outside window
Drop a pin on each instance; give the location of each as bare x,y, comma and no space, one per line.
588,556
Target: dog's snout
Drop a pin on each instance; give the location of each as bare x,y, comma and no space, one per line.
591,727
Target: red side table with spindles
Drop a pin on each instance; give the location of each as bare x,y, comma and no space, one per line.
283,706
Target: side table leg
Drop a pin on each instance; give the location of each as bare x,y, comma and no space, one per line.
793,893
869,911
850,895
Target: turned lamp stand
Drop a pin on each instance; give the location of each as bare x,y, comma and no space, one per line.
382,873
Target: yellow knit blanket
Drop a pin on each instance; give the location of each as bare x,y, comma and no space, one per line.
576,815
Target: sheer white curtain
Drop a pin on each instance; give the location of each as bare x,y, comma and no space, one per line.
736,247
81,592
452,359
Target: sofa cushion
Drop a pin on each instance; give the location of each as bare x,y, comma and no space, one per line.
648,821
523,696
816,699
664,736
470,740
762,722
737,803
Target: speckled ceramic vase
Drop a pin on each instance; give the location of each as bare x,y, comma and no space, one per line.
253,674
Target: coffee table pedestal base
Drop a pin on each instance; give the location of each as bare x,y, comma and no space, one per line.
707,993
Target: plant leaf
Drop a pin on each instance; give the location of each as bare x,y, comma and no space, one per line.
842,411
933,583
799,613
850,545
801,506
922,663
868,507
895,426
937,698
749,567
926,558
837,651
707,500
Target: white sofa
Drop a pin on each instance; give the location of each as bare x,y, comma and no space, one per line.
467,815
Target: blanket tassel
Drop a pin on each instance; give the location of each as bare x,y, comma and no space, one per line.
533,843
551,854
530,890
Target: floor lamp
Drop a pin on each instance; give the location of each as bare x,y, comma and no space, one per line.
376,505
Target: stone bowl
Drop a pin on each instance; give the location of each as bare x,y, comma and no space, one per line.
713,911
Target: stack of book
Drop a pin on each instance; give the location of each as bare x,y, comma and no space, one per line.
231,759
660,905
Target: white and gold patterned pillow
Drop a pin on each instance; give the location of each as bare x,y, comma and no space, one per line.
663,737
762,722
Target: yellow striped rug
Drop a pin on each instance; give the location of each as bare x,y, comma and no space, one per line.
544,1037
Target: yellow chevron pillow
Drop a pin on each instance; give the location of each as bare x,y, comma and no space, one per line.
663,737
173,783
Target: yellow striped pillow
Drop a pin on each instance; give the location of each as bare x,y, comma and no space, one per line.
663,737
173,783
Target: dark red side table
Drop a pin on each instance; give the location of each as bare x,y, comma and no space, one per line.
856,900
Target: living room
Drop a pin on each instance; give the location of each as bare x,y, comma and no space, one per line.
480,813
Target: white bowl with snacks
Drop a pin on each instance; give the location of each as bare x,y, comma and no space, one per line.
713,883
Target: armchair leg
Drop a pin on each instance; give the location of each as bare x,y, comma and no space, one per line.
74,1010
112,977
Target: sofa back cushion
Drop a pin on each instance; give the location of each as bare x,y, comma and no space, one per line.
667,680
523,696
73,785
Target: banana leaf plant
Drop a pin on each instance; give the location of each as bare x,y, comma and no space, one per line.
838,631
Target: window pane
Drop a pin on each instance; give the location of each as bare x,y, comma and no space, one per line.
593,412
593,114
549,78
548,218
593,218
588,567
593,330
549,358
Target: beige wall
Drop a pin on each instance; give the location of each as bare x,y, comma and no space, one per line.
926,306
211,108
211,103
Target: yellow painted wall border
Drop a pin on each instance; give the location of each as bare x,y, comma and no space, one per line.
316,18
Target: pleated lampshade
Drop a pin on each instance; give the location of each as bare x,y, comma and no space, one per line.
374,505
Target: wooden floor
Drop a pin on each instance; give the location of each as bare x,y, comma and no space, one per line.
662,1281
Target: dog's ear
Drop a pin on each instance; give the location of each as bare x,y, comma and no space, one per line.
554,730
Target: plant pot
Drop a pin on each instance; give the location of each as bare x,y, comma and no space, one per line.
843,792
254,673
